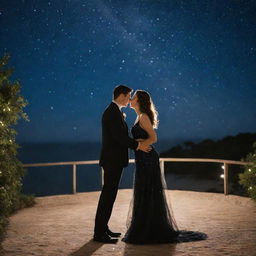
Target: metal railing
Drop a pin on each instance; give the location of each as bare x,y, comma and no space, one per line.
226,164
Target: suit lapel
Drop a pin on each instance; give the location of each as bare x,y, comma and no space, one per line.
121,115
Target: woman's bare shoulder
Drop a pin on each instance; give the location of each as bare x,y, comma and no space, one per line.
144,117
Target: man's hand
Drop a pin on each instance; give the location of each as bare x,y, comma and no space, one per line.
144,147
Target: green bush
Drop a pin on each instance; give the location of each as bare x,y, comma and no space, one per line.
248,178
11,169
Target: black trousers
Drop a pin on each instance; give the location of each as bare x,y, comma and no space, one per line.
112,176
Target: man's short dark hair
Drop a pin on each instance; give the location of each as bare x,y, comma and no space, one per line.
119,89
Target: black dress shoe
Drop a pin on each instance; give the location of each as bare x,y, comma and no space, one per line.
104,238
113,234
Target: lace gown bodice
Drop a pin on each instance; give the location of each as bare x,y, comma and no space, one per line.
142,157
138,132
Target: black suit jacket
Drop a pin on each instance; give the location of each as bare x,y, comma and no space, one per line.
115,138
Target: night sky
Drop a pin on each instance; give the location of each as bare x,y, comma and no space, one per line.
195,58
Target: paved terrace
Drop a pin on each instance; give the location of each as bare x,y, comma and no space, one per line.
63,225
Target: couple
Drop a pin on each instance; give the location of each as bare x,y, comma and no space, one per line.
150,220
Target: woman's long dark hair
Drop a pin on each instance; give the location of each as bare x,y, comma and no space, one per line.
147,106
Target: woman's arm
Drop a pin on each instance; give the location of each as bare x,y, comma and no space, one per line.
148,127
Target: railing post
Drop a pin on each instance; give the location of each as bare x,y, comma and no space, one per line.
162,167
225,178
74,178
102,176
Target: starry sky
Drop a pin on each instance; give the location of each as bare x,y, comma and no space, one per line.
195,57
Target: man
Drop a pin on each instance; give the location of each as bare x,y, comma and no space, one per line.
113,158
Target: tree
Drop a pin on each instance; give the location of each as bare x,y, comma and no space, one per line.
11,169
248,178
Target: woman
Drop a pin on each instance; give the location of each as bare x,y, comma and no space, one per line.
149,218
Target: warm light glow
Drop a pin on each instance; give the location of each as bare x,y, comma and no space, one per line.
249,170
222,176
222,167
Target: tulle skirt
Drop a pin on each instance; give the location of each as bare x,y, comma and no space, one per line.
150,219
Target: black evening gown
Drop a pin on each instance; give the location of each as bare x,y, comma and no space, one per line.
150,220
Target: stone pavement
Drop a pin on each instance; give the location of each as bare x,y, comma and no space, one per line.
63,225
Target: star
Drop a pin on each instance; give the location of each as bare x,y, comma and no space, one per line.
75,52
